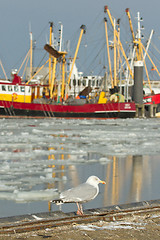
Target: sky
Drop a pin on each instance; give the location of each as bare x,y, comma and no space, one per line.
18,17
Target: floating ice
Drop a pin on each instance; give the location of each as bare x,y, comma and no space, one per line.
40,154
27,196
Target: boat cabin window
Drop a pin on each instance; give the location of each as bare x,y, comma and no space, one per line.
3,88
74,82
22,88
27,89
89,83
79,82
10,88
93,83
16,89
97,83
84,82
100,82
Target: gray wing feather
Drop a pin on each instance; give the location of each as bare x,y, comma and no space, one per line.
82,193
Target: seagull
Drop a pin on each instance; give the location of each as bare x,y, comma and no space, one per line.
82,193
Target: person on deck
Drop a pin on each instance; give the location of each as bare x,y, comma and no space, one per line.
16,78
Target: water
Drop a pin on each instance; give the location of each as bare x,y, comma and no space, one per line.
40,158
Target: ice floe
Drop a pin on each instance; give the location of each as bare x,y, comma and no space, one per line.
39,154
28,196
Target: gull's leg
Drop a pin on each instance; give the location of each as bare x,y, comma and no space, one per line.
79,211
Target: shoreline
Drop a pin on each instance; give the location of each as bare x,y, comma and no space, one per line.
138,218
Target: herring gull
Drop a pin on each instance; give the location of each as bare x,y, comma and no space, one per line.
82,193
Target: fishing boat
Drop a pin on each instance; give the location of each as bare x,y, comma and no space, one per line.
19,100
54,99
109,110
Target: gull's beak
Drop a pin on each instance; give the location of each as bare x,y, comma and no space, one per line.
103,182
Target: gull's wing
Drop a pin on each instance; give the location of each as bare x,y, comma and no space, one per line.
82,193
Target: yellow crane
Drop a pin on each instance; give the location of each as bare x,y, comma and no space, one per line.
139,55
50,57
115,55
56,55
109,59
106,9
83,30
132,32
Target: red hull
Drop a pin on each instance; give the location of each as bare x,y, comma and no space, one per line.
108,110
152,99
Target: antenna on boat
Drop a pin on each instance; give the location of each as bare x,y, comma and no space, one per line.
60,37
139,25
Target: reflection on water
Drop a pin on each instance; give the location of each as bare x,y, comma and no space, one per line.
42,159
128,179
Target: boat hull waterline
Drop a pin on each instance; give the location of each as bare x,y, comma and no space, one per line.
108,110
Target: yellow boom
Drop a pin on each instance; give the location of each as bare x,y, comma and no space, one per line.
132,32
120,44
83,27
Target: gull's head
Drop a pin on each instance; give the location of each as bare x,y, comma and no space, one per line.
94,181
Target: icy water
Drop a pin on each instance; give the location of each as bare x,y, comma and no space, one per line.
39,158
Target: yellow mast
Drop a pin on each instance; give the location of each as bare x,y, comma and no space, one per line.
132,32
109,59
53,77
115,56
63,75
120,44
76,52
118,50
53,54
56,55
50,57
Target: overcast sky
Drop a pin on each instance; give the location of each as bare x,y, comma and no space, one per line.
17,15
